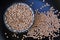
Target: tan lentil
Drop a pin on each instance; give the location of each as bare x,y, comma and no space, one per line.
44,25
19,17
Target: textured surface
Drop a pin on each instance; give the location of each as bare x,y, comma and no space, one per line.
19,17
44,25
38,4
4,4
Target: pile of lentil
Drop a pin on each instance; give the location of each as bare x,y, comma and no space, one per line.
44,25
19,17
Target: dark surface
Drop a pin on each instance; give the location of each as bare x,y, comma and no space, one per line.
54,3
4,4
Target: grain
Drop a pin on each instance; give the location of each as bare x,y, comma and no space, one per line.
44,25
19,17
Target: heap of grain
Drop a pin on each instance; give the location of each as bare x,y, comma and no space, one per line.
19,17
44,25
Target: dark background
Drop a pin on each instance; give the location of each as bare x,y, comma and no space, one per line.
4,4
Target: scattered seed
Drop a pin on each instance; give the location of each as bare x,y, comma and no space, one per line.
7,37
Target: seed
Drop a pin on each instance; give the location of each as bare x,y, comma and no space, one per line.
46,25
7,37
43,0
18,20
5,33
17,36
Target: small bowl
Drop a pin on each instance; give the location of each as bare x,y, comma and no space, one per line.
17,31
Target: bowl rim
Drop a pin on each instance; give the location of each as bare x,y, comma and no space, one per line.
17,31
